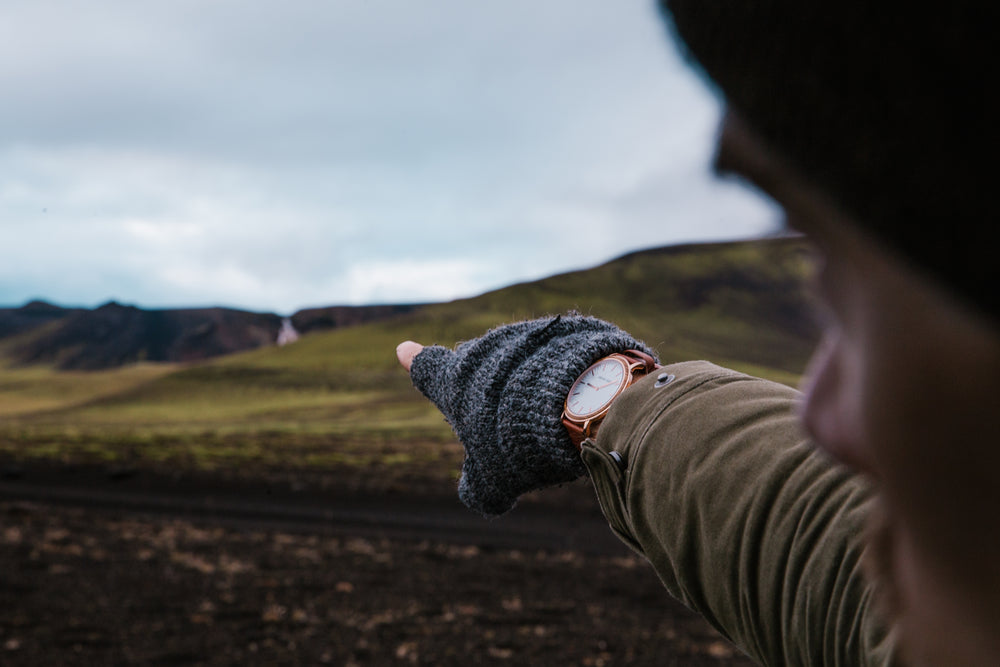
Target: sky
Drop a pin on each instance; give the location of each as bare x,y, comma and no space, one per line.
276,155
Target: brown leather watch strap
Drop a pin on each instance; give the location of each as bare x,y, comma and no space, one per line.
576,433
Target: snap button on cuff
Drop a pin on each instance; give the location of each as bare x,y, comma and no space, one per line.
663,379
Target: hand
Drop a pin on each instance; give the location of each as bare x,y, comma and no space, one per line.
503,394
405,352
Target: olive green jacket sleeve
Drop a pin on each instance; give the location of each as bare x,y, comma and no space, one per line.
711,479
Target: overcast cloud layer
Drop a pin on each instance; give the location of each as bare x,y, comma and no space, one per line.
276,155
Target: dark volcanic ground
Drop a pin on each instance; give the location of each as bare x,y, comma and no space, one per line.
104,568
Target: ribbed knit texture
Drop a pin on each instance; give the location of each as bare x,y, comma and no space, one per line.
503,395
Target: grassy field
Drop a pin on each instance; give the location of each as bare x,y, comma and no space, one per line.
339,398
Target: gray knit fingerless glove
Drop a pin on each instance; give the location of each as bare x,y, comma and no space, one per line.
503,395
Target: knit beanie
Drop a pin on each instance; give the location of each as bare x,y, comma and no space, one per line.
503,395
885,106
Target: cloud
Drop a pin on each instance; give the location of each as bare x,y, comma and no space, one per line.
276,155
414,280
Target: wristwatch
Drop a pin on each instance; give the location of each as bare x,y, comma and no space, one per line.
592,394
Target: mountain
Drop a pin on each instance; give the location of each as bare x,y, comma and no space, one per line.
743,305
14,321
115,334
332,317
740,301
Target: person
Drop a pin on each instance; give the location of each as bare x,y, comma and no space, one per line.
859,521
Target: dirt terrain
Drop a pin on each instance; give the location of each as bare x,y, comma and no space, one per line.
121,567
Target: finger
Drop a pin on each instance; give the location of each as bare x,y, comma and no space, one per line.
405,352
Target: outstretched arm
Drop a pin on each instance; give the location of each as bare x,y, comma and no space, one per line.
702,470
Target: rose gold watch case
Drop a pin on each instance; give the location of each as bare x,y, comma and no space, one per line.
580,426
626,376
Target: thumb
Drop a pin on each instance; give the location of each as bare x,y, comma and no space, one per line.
406,351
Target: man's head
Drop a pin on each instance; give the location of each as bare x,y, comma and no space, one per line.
832,117
885,104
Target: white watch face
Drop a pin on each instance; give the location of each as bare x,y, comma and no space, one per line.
598,385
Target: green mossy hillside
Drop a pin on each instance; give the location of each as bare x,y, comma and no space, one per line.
339,397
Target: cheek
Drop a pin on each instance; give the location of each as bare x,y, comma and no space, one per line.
832,411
